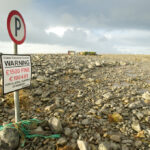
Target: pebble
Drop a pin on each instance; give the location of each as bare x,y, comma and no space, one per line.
98,102
124,147
107,95
62,141
115,138
103,146
67,131
75,135
85,122
136,126
82,145
146,95
138,143
55,124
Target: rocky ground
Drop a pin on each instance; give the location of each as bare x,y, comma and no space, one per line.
93,102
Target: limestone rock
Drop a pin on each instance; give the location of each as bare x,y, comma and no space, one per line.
107,95
67,131
85,121
40,78
115,138
10,136
103,146
62,141
136,126
108,146
97,64
55,124
82,145
98,102
38,92
138,143
146,95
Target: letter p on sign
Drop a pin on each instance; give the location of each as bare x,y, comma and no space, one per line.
16,27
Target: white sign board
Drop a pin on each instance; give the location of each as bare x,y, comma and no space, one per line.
16,72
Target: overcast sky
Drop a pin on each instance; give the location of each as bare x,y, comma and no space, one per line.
56,26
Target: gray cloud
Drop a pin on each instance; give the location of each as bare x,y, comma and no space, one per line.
104,13
112,25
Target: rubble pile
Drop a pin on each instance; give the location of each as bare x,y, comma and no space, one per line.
93,102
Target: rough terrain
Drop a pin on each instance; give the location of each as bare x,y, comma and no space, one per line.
95,102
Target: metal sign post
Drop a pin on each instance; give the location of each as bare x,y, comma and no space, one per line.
17,32
16,94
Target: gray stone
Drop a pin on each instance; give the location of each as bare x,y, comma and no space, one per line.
10,136
80,94
57,101
40,78
82,145
114,146
97,64
46,93
38,92
138,143
97,137
62,141
115,138
135,105
147,131
139,115
38,129
56,82
108,146
93,147
55,124
67,131
34,84
98,102
46,99
123,63
92,111
124,147
90,66
4,146
103,146
49,108
75,135
85,121
90,79
146,95
83,76
136,126
127,141
107,95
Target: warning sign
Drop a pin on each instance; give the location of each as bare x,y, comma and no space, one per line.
16,72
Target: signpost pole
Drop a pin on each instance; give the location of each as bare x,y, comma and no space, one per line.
17,32
16,95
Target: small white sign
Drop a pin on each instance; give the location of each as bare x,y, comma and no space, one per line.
16,72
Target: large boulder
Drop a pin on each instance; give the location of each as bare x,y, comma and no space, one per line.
9,136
